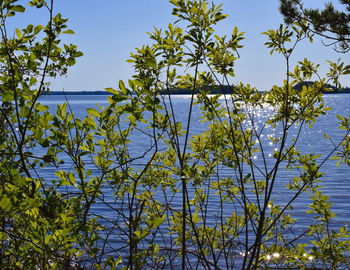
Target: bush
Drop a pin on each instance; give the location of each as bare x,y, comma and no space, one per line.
160,211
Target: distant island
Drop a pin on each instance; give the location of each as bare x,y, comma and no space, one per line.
334,90
225,89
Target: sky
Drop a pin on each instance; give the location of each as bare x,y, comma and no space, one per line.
106,31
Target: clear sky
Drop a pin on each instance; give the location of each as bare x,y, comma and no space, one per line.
108,30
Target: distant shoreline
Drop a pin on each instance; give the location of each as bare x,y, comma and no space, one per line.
78,93
105,93
215,89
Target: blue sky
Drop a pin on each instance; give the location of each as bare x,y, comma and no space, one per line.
108,30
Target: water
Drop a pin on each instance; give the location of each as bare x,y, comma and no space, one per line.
335,182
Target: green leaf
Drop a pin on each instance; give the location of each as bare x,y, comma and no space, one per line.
11,14
68,32
78,54
5,204
18,8
122,87
41,108
339,117
38,28
62,109
18,33
131,118
36,3
141,234
157,221
84,148
151,63
111,90
93,112
71,61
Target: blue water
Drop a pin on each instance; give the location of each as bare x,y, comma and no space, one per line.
335,182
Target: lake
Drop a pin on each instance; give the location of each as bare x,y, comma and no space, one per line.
335,182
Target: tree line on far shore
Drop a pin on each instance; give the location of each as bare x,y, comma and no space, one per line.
224,89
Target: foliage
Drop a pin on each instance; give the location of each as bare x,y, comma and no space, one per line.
39,225
329,22
107,206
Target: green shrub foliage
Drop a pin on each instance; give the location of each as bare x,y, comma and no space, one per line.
160,215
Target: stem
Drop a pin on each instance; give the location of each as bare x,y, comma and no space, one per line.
183,177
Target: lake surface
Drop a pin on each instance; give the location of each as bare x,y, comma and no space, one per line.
336,180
